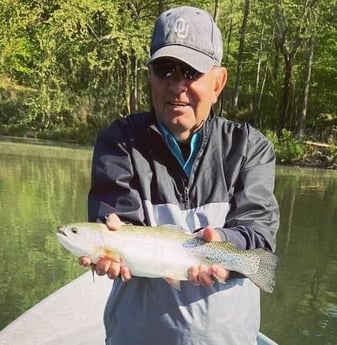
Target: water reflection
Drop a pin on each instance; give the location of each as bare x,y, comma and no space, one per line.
42,187
299,312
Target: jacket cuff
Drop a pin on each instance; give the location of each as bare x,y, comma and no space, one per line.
232,236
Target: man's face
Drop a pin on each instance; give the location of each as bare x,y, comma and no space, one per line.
181,96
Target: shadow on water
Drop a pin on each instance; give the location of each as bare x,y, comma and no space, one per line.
42,186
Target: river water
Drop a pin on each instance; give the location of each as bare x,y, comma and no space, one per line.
42,186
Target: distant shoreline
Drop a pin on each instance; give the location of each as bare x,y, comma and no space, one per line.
319,160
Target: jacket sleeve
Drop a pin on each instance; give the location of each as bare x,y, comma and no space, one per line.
113,179
253,219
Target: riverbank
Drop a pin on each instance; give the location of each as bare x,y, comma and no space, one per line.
288,151
303,152
319,155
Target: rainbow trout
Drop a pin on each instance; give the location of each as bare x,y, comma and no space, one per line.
165,251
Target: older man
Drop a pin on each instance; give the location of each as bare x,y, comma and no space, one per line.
181,164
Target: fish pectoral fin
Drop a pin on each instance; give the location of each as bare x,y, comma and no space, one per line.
92,267
173,282
110,254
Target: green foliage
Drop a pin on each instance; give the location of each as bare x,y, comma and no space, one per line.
287,148
82,63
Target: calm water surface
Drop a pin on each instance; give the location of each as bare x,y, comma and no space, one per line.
44,186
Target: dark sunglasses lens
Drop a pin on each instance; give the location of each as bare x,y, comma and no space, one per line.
163,69
191,73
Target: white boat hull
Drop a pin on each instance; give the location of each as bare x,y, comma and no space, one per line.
73,315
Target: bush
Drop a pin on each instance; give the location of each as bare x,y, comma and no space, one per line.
287,148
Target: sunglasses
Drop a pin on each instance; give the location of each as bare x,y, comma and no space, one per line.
165,68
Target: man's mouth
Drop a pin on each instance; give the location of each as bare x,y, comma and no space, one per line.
178,104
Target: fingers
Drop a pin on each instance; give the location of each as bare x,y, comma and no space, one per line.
108,267
207,275
113,269
125,273
198,275
209,234
218,273
84,261
113,222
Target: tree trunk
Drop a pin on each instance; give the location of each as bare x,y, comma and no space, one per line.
303,114
258,89
240,53
287,90
134,82
161,7
216,10
228,43
289,49
259,63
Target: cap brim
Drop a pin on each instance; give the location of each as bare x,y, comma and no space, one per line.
194,58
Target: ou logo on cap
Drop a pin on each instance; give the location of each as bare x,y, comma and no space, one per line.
181,28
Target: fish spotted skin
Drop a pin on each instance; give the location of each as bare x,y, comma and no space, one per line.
165,251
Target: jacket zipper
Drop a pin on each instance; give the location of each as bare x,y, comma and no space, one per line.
186,195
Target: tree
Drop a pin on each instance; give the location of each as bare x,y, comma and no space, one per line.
242,37
291,23
73,66
306,85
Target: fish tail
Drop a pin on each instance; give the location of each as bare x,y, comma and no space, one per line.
264,278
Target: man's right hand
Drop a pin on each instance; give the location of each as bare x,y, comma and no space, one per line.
112,268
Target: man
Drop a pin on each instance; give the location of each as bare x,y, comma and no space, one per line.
181,164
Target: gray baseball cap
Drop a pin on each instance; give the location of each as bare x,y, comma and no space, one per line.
188,34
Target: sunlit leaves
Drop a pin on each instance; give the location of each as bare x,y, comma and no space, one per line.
86,59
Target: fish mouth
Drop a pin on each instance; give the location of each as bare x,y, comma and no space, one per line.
61,232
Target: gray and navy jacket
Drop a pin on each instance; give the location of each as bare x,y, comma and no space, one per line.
229,185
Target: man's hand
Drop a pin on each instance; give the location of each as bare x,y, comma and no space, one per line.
112,268
207,275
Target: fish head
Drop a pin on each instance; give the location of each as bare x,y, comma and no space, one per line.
81,239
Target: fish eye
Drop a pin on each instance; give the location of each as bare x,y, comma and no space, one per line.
74,230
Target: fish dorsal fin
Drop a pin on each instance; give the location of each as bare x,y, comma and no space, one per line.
229,245
232,245
173,227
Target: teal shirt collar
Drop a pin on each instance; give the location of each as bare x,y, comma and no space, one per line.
173,145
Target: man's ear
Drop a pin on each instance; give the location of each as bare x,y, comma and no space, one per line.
220,82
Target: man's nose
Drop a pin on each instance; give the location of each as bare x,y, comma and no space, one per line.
178,82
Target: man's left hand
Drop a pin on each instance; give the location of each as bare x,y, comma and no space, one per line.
207,275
